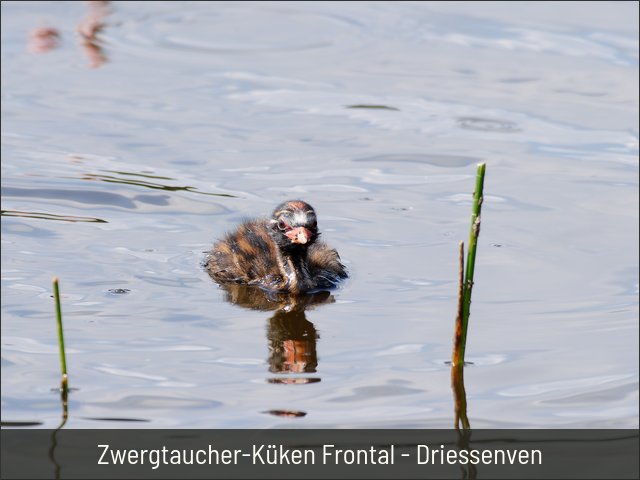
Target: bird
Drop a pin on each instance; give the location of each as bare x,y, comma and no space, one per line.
281,254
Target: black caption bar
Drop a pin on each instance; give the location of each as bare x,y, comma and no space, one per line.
311,454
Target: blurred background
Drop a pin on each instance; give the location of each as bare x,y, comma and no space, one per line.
134,134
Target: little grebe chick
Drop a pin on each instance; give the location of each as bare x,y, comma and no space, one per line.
281,254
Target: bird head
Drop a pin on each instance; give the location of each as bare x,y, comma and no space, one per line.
294,225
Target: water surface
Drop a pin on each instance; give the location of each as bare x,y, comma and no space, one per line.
127,150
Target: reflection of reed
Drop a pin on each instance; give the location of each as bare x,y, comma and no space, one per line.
64,398
147,184
50,216
460,398
460,417
374,107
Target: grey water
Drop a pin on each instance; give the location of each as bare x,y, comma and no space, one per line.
134,134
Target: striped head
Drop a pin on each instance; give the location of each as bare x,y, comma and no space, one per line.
294,225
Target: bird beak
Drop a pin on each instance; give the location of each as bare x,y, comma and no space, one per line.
299,235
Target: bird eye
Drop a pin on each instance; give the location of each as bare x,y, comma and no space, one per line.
282,225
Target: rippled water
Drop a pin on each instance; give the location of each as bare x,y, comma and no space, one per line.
126,151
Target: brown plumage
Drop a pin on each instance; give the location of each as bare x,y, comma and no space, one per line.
280,254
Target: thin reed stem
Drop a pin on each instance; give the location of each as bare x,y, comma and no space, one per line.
471,258
63,358
457,337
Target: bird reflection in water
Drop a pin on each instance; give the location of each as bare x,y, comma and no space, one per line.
291,337
89,28
292,342
45,39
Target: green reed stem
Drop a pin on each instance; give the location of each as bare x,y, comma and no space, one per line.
471,261
63,358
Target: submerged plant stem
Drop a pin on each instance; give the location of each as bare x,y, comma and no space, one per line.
460,397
